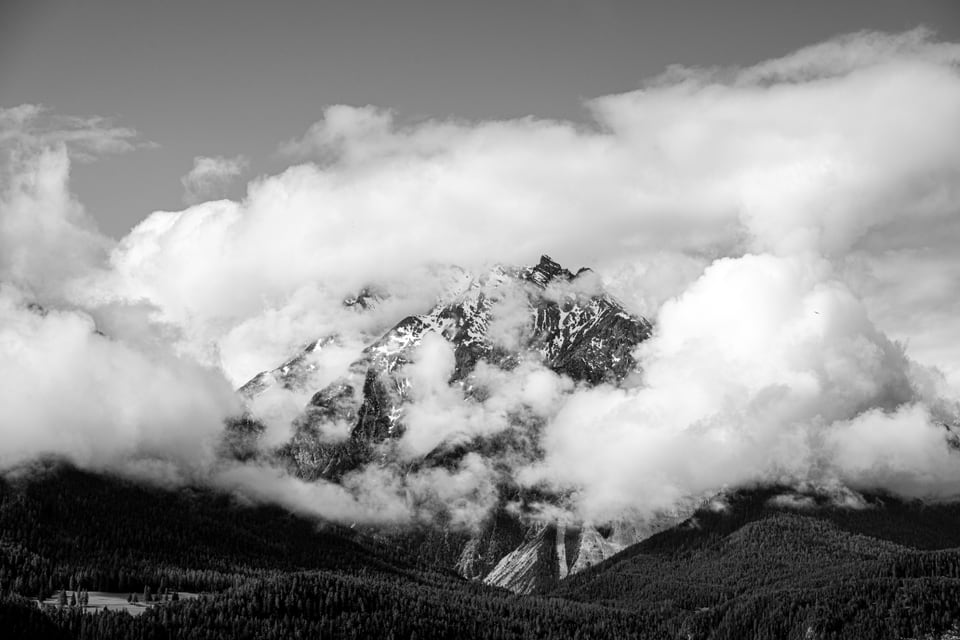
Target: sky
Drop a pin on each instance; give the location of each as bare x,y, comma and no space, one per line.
221,78
189,192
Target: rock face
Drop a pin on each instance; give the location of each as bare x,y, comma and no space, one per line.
546,313
551,551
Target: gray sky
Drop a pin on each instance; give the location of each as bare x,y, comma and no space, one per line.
224,78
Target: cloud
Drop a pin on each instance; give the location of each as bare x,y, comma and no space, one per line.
847,53
902,449
29,127
765,369
679,172
808,163
465,494
46,237
210,175
345,129
791,226
490,401
68,390
439,412
375,498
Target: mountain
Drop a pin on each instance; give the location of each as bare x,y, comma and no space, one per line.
560,319
589,338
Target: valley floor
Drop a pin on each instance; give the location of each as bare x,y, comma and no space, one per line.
104,600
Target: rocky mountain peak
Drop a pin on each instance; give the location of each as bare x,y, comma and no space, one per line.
582,333
545,271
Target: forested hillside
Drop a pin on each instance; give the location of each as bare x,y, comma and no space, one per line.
755,566
261,572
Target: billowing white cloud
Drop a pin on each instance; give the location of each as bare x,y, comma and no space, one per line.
70,391
439,414
760,371
791,226
770,158
210,175
46,237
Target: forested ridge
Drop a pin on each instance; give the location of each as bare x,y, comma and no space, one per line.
262,572
750,569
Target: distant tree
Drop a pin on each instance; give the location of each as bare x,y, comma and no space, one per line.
146,594
62,598
175,597
73,599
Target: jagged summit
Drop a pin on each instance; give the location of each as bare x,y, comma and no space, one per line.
545,271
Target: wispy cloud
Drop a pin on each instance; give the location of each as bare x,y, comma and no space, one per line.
33,127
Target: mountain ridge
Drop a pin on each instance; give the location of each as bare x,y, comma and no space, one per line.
557,318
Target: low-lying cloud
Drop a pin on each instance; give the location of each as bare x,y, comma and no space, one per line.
790,226
69,390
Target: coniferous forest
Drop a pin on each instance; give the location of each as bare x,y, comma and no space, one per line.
888,569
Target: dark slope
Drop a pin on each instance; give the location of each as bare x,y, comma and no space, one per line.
264,573
751,570
58,523
324,605
756,570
